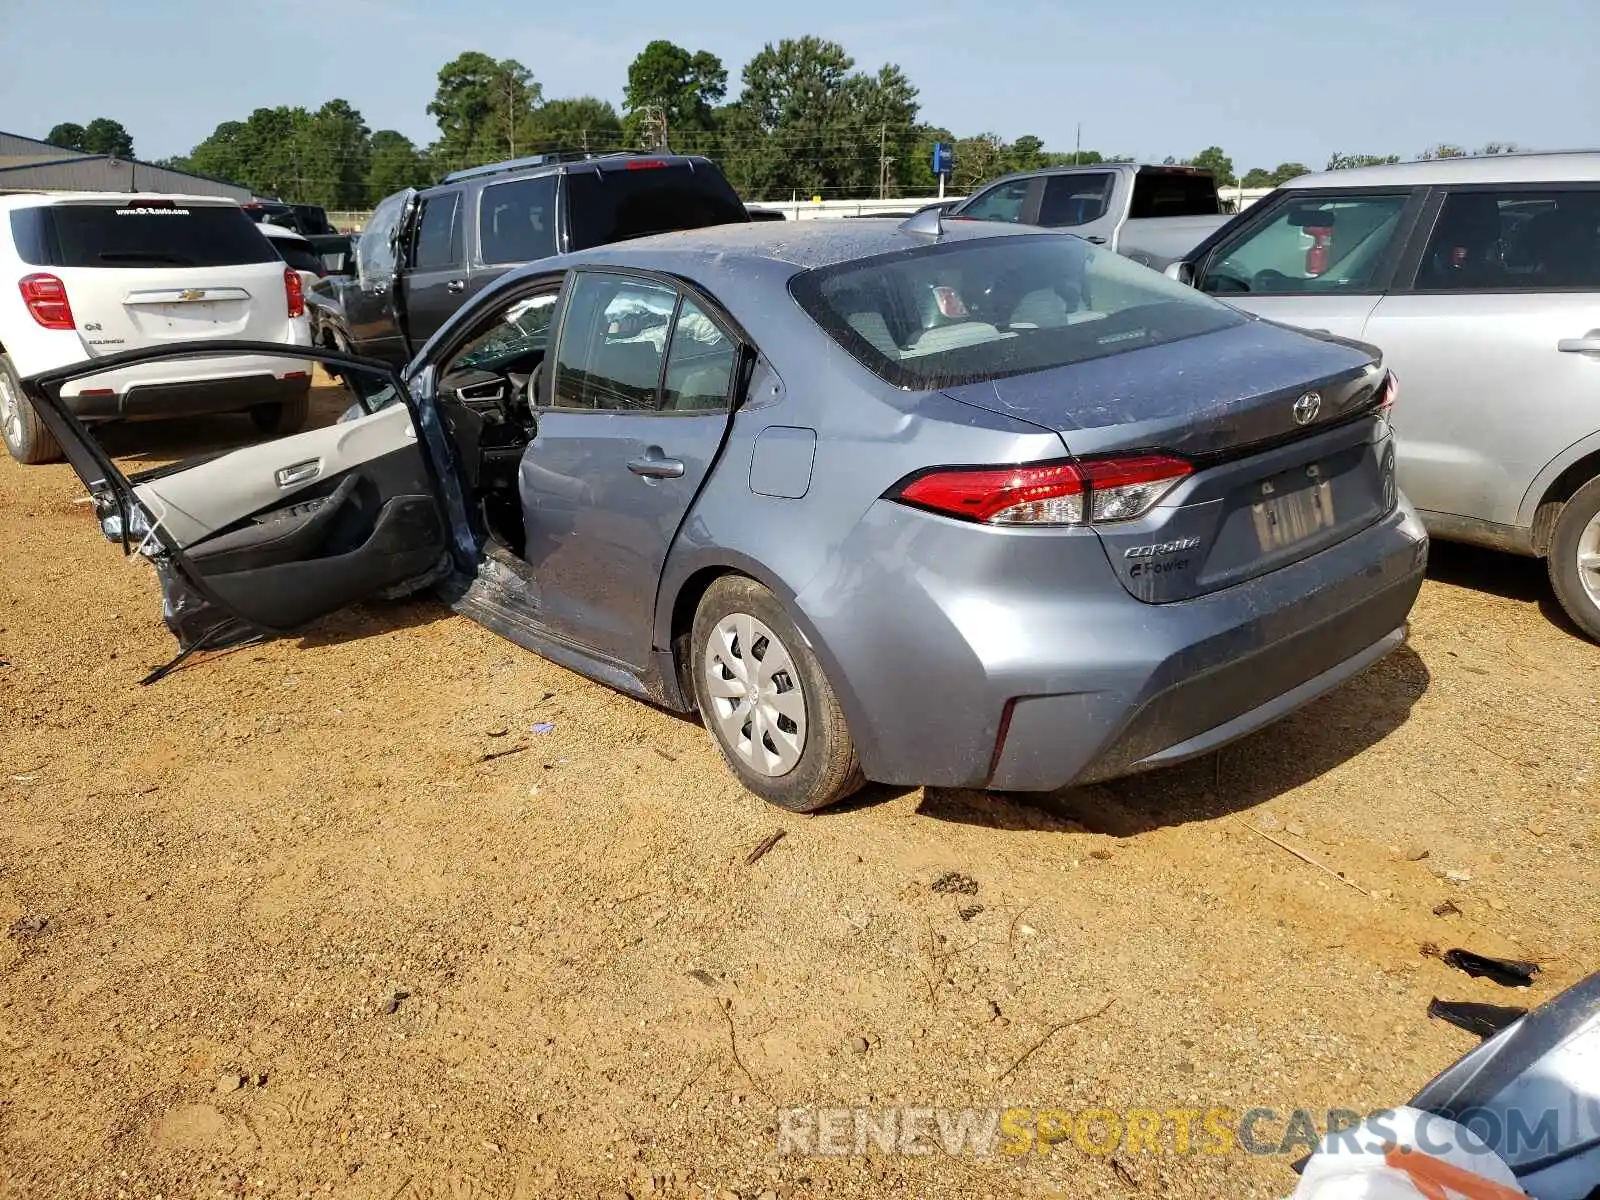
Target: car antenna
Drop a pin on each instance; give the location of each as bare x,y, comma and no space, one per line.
928,222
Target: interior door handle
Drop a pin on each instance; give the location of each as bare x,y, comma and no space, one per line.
299,473
654,466
456,286
1589,343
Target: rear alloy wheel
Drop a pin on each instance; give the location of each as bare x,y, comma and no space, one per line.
24,433
766,701
1574,560
285,418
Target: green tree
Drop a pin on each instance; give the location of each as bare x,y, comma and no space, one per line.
394,164
1260,177
1025,154
484,108
66,135
579,123
336,153
1219,164
315,158
1343,162
807,123
100,136
978,160
1442,150
669,82
105,136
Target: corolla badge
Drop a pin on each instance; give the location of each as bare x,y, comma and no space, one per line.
1306,408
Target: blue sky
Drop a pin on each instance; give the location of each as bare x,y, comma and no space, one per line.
1261,78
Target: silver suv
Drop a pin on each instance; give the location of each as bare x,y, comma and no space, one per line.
1480,280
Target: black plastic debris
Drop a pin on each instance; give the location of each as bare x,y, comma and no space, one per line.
1485,1020
1507,972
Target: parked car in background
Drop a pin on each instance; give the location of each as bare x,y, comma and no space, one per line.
92,274
310,220
976,507
1151,214
1480,280
297,252
423,254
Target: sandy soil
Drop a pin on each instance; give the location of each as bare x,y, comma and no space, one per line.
275,927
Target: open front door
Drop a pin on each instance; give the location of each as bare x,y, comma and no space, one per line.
256,538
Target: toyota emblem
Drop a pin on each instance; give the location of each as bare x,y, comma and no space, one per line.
1306,408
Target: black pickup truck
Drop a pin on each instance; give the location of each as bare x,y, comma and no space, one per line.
424,253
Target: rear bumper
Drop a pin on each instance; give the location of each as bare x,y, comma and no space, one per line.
188,398
1003,664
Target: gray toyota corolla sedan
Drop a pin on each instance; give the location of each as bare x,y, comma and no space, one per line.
970,506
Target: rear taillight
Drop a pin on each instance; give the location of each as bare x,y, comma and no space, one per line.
1388,396
1095,491
294,291
46,298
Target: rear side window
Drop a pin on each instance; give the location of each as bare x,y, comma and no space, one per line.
1162,193
1311,244
966,312
147,234
615,205
1075,199
517,220
301,258
438,233
1513,241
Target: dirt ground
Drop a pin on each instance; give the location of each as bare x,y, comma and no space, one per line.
281,926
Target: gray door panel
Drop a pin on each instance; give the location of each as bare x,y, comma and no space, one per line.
194,504
1487,395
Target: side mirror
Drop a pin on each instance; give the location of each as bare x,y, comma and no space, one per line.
1182,272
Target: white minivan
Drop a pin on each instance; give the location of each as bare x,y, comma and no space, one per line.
89,275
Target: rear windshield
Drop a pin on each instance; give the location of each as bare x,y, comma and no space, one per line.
138,235
615,205
1158,193
938,316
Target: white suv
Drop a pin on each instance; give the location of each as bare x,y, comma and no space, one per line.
90,274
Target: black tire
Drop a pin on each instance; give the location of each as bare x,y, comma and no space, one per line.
1566,542
21,429
288,417
827,769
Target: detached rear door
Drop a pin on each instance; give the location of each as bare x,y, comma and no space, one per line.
258,538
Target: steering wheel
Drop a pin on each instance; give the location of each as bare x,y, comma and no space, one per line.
1272,281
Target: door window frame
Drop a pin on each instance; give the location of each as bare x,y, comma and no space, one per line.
1429,212
558,230
745,350
1033,192
1272,206
457,245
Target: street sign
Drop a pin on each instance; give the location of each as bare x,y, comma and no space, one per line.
944,158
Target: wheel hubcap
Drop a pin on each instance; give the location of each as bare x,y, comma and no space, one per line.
1589,560
10,413
756,698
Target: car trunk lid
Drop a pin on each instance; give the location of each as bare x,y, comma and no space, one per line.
1289,454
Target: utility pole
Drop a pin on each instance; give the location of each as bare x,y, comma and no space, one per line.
1077,149
511,113
883,161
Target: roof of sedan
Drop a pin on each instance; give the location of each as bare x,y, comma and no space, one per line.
803,245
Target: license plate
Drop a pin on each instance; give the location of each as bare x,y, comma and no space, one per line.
1284,518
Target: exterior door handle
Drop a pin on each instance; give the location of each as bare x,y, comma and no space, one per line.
1096,239
1589,343
654,466
456,286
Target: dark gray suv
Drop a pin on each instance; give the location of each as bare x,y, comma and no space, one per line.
424,253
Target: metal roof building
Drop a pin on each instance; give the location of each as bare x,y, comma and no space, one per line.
28,165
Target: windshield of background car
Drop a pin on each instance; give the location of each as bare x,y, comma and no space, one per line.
939,316
617,204
138,234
